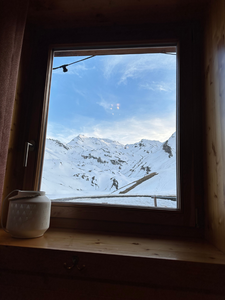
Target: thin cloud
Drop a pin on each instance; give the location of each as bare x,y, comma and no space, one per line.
106,105
81,93
159,86
133,66
110,63
120,69
65,133
133,130
127,131
61,133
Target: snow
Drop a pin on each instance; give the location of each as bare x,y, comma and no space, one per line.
89,166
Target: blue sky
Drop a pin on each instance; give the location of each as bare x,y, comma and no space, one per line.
121,97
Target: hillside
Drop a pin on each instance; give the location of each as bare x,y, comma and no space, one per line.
91,166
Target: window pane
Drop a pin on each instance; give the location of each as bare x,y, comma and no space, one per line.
111,132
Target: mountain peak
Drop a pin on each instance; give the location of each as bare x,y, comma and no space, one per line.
92,141
89,165
81,136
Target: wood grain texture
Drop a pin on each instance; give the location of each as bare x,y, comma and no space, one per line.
168,248
127,227
215,124
28,286
68,14
121,267
12,25
116,213
116,267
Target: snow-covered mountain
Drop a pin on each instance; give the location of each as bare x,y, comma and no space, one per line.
90,166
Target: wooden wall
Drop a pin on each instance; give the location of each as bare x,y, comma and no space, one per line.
77,14
12,24
214,76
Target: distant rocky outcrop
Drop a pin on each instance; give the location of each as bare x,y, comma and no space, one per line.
167,149
115,183
60,144
147,169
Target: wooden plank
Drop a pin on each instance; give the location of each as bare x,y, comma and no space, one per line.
116,213
126,228
68,14
16,286
215,122
191,267
179,249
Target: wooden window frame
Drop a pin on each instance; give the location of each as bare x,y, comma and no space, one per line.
63,212
112,218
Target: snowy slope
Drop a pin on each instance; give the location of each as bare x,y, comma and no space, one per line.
90,166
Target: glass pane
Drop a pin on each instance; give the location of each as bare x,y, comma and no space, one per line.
111,132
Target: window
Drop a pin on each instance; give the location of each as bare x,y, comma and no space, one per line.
129,218
111,133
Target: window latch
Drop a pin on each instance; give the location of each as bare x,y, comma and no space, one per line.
29,146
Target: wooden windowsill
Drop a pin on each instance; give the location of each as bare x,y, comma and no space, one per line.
189,250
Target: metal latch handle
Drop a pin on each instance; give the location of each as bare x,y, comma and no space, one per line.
29,146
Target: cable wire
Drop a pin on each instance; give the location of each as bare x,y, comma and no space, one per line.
66,65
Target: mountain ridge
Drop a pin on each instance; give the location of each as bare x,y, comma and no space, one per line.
88,165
